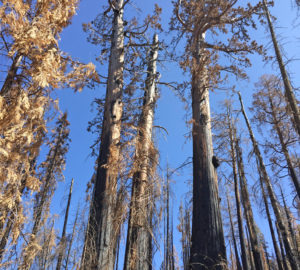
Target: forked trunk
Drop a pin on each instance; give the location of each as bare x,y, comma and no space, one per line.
137,246
100,240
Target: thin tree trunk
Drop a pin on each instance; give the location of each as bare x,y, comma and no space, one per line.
293,258
289,93
284,260
276,249
136,254
100,240
289,220
208,247
237,193
250,249
238,264
248,208
71,240
284,149
63,235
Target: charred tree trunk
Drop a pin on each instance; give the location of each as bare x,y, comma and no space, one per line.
208,247
276,249
285,149
258,260
293,258
236,192
238,264
289,220
284,258
289,93
136,254
71,240
100,237
63,235
250,253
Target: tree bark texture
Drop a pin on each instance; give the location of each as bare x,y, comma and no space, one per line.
100,240
289,93
137,250
208,247
293,258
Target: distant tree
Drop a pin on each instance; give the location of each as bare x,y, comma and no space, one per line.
52,169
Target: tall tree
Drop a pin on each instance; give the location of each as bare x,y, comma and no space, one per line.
51,173
193,19
289,92
270,109
136,255
293,258
107,30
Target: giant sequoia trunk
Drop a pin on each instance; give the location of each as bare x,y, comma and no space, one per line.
258,260
100,238
208,247
289,93
137,246
292,256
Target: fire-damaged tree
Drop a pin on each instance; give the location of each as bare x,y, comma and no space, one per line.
193,19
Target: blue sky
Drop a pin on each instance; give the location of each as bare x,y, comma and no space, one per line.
174,147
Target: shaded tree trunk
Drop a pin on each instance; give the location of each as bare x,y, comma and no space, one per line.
100,239
208,247
250,253
63,239
284,258
137,250
293,258
289,93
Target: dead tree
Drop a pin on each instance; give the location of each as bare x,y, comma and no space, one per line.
293,258
63,240
289,92
136,254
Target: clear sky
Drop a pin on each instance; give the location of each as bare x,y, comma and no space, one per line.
174,147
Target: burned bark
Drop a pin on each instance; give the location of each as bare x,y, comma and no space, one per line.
100,236
137,250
